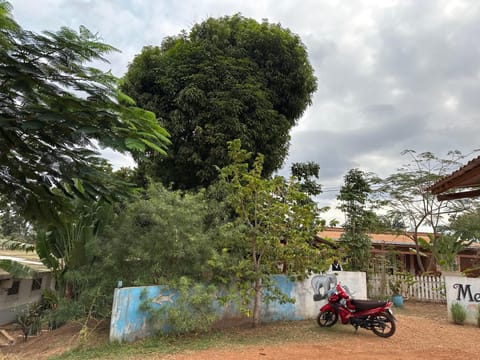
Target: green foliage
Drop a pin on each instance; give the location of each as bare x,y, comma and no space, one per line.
466,226
16,268
276,226
54,109
445,248
29,319
354,199
404,195
192,309
161,235
16,245
228,78
70,246
304,172
459,314
14,228
400,283
478,315
63,311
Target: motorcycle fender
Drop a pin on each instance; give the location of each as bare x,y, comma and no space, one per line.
391,313
327,307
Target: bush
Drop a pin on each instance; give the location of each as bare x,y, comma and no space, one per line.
458,313
478,315
191,311
62,312
29,319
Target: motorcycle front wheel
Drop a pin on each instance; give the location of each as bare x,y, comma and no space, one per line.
383,324
327,318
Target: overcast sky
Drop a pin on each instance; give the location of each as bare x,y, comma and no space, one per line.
392,75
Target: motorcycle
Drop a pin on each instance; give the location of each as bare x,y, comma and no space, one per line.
367,314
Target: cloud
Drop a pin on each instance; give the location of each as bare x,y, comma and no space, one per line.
392,74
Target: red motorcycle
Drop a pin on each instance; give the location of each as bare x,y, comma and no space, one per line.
367,314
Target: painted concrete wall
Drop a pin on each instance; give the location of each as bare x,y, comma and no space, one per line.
129,324
9,304
465,291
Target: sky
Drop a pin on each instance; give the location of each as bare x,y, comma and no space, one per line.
392,75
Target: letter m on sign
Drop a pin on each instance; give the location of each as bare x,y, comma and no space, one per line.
463,292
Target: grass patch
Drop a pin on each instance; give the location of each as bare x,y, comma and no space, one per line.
232,338
269,334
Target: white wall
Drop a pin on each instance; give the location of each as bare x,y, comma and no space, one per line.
9,304
465,291
307,308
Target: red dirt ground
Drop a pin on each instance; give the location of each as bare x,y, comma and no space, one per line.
423,332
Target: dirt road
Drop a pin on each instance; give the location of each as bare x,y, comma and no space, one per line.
415,338
423,332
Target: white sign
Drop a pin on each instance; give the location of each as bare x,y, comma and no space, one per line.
466,292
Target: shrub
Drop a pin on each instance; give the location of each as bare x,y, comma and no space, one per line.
478,315
29,319
191,311
62,312
458,313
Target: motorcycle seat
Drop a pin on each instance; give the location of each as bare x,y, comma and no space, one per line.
368,304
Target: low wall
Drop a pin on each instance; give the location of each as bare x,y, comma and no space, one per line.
465,291
129,324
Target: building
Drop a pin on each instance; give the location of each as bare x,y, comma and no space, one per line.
16,293
401,248
462,183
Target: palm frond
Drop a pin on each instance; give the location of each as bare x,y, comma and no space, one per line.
8,244
16,269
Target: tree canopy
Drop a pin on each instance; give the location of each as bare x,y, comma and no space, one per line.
54,109
229,78
407,200
354,200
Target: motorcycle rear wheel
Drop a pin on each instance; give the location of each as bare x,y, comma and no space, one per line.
383,324
327,318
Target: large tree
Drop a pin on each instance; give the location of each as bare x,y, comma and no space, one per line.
54,109
228,78
407,200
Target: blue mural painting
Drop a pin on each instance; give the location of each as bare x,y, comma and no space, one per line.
129,323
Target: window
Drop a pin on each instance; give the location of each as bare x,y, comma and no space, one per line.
37,284
15,288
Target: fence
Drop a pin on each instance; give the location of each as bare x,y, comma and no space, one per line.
421,288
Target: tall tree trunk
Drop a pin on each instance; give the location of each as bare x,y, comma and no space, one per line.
257,302
417,252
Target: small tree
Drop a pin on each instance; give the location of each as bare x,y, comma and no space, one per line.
278,226
354,198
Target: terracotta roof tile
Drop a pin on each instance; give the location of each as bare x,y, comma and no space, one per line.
383,238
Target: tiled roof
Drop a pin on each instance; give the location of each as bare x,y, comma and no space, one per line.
468,176
394,239
384,238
